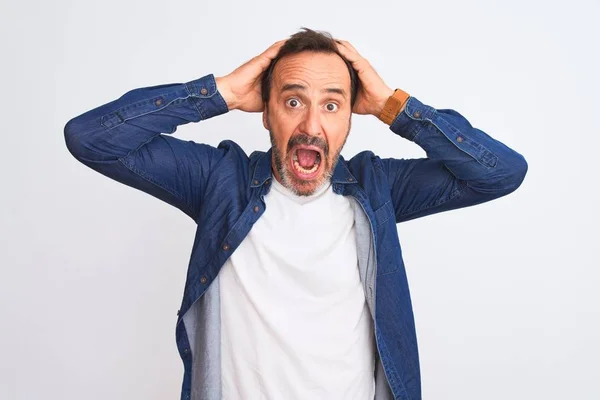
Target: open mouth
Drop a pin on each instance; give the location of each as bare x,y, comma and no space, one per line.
306,161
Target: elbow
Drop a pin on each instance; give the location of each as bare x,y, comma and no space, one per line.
505,180
516,174
73,139
521,171
81,140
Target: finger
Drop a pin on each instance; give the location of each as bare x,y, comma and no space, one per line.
272,51
263,60
348,53
349,45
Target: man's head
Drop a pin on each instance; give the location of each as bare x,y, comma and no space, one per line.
308,90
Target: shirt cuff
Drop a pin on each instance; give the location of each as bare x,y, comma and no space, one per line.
408,123
205,95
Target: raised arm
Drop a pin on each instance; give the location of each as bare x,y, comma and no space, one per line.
129,139
464,165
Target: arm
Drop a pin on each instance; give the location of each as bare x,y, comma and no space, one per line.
464,165
129,140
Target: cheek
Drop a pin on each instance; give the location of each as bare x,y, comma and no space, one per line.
336,133
282,128
281,139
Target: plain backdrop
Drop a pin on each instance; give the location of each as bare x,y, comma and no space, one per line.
92,271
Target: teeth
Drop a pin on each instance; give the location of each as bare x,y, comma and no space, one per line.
295,156
304,170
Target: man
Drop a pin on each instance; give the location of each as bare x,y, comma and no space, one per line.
296,288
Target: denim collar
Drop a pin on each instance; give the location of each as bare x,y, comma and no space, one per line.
263,172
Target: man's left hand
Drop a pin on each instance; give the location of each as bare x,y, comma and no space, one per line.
373,92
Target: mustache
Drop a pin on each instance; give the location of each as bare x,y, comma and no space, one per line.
308,140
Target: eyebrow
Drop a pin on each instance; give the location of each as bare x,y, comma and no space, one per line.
296,86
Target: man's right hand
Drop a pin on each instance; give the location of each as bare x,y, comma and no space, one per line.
241,89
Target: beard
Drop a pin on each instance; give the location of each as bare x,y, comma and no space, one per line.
298,186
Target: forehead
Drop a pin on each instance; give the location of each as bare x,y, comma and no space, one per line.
312,69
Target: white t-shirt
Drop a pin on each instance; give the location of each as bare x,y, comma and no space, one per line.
294,321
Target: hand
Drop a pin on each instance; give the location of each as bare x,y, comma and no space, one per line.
241,88
373,92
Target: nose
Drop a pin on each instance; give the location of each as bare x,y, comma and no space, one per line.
311,122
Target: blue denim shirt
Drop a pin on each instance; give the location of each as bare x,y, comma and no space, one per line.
222,189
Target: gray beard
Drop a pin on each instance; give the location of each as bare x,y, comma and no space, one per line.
286,177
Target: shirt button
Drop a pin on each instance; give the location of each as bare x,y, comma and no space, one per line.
417,114
459,139
225,247
256,208
203,279
255,182
158,102
203,91
350,179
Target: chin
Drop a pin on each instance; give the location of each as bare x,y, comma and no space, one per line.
302,182
305,188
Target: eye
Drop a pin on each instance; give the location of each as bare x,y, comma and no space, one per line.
331,107
293,103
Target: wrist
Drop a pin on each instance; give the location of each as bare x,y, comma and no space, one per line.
393,106
225,92
382,100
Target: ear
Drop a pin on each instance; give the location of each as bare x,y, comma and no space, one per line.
265,119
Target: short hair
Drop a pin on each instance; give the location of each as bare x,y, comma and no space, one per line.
308,40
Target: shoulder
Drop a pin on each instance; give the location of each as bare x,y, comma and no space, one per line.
364,161
368,170
230,145
233,152
257,155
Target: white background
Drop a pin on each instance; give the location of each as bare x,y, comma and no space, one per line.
92,271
